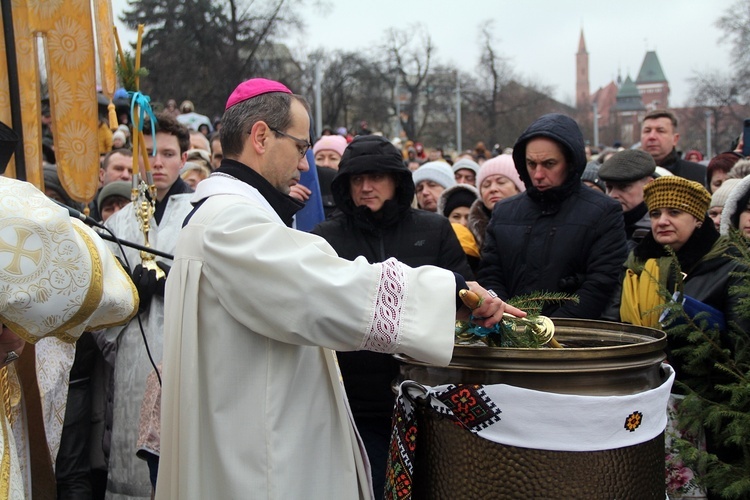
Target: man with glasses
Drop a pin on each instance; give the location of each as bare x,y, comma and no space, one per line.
253,404
298,191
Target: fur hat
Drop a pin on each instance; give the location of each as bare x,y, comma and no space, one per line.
467,164
677,192
334,143
460,195
500,165
436,171
628,165
738,199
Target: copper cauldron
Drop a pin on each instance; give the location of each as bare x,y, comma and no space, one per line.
600,359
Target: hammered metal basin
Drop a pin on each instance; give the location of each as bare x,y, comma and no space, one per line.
599,358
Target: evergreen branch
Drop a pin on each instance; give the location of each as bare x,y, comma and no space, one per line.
126,72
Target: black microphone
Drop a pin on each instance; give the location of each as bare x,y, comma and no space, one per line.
78,215
111,237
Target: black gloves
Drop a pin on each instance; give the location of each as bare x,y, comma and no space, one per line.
148,285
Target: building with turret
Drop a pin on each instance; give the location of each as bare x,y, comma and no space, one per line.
583,98
620,105
652,84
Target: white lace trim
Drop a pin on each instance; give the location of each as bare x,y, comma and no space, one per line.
384,332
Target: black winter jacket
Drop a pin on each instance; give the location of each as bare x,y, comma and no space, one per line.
565,239
683,168
414,237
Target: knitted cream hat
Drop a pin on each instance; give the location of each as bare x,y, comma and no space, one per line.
677,192
721,195
467,164
436,171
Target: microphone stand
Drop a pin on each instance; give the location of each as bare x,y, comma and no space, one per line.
98,227
130,244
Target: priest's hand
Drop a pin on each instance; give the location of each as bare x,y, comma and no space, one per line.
489,309
11,346
300,192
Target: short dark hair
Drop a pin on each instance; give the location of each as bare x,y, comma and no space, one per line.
272,108
661,113
169,125
723,162
119,151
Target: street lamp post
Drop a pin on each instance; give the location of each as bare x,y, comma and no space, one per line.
459,145
318,100
709,149
596,125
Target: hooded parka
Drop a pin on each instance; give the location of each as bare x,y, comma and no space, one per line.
564,239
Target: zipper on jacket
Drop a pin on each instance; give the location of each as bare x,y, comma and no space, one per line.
548,245
526,238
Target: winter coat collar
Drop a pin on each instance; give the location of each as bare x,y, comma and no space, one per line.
697,247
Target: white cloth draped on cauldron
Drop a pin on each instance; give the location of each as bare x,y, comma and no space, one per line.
526,418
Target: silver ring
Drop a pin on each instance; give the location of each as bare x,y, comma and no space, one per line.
492,294
12,356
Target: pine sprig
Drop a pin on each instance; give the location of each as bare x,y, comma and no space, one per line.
126,72
534,302
512,332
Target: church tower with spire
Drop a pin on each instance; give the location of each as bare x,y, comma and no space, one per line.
652,84
583,96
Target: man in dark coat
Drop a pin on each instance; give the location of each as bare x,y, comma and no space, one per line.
557,236
625,174
659,138
373,191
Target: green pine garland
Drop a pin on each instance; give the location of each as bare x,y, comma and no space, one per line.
716,382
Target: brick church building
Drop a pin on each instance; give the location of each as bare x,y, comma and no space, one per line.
620,105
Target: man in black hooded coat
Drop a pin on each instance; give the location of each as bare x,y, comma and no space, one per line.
414,237
555,237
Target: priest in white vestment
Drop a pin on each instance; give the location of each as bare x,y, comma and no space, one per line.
252,403
57,280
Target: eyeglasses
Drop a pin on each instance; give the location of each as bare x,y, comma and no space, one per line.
302,144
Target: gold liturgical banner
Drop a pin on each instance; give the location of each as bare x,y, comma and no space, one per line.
67,30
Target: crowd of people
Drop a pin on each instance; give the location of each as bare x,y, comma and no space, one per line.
255,322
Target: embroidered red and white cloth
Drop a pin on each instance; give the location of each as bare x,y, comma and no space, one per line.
527,418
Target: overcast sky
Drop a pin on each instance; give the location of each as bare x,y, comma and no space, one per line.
539,37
